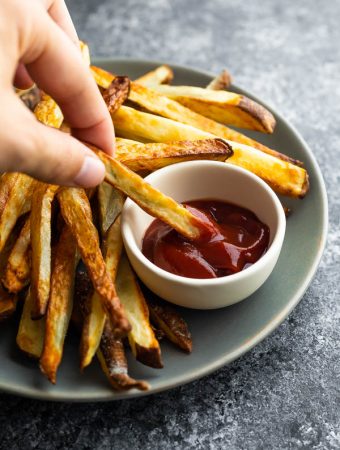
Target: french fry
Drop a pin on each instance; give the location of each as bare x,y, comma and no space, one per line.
60,304
285,178
149,198
30,337
161,75
221,81
168,320
30,97
222,106
143,342
48,112
8,304
117,93
41,247
15,190
95,317
161,105
17,272
152,156
76,211
111,356
110,203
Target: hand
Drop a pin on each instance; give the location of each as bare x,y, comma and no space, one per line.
38,43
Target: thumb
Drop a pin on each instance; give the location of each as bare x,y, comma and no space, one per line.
45,153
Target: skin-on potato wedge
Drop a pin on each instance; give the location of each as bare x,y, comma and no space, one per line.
15,189
222,81
94,314
111,356
48,112
285,178
168,320
17,272
161,75
143,342
154,156
149,198
41,246
76,211
60,304
161,105
223,106
30,337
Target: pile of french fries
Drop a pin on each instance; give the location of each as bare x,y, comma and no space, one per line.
62,262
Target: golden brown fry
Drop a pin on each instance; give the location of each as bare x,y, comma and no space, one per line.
41,247
223,106
173,325
17,271
77,214
30,337
95,317
221,81
117,93
152,156
60,304
48,112
161,75
285,178
15,190
111,355
110,204
149,198
143,342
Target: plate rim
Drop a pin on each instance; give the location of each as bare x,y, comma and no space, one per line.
181,380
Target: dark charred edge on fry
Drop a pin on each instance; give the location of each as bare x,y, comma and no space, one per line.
305,186
173,325
149,356
111,355
31,97
259,112
117,93
222,81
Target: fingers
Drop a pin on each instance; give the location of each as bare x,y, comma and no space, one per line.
56,66
59,13
22,80
45,153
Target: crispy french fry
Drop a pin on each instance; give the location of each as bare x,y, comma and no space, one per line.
8,304
117,93
143,342
167,319
95,316
123,142
30,337
149,198
41,246
77,214
17,272
221,81
161,75
110,203
60,304
161,105
222,106
111,355
285,178
15,190
152,156
48,112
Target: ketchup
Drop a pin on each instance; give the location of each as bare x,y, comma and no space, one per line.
237,241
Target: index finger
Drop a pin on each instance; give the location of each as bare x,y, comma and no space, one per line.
56,66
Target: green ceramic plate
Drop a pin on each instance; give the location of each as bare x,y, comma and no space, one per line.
219,336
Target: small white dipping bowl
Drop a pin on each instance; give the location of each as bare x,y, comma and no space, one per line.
199,180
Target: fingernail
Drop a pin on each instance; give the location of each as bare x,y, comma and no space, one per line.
91,173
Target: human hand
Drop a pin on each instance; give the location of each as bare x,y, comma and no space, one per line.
38,43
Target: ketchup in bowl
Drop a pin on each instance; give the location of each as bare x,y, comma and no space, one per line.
238,239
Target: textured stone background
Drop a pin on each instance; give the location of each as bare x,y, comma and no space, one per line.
284,393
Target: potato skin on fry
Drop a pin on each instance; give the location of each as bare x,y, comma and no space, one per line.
60,304
76,211
117,93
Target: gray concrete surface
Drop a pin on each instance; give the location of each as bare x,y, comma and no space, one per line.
284,394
